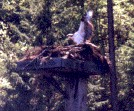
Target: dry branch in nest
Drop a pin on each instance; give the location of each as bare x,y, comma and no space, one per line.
83,52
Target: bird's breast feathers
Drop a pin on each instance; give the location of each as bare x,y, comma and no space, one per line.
78,37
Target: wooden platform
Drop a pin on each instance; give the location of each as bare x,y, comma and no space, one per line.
84,59
62,65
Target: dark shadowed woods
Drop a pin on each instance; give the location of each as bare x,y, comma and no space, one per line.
27,26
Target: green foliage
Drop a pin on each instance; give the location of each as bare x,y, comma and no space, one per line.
123,20
98,97
125,65
26,23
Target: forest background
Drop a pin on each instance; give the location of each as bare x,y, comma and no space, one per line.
28,23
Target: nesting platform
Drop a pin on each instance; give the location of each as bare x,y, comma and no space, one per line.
84,59
75,62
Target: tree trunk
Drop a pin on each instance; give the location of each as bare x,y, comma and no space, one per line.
113,78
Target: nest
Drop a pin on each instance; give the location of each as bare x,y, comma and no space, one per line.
83,52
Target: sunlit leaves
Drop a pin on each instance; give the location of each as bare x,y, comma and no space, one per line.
125,65
28,22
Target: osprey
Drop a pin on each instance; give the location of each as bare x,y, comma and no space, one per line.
85,30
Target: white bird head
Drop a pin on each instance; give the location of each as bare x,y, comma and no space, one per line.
89,15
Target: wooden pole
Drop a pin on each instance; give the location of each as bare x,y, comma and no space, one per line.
113,78
77,95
